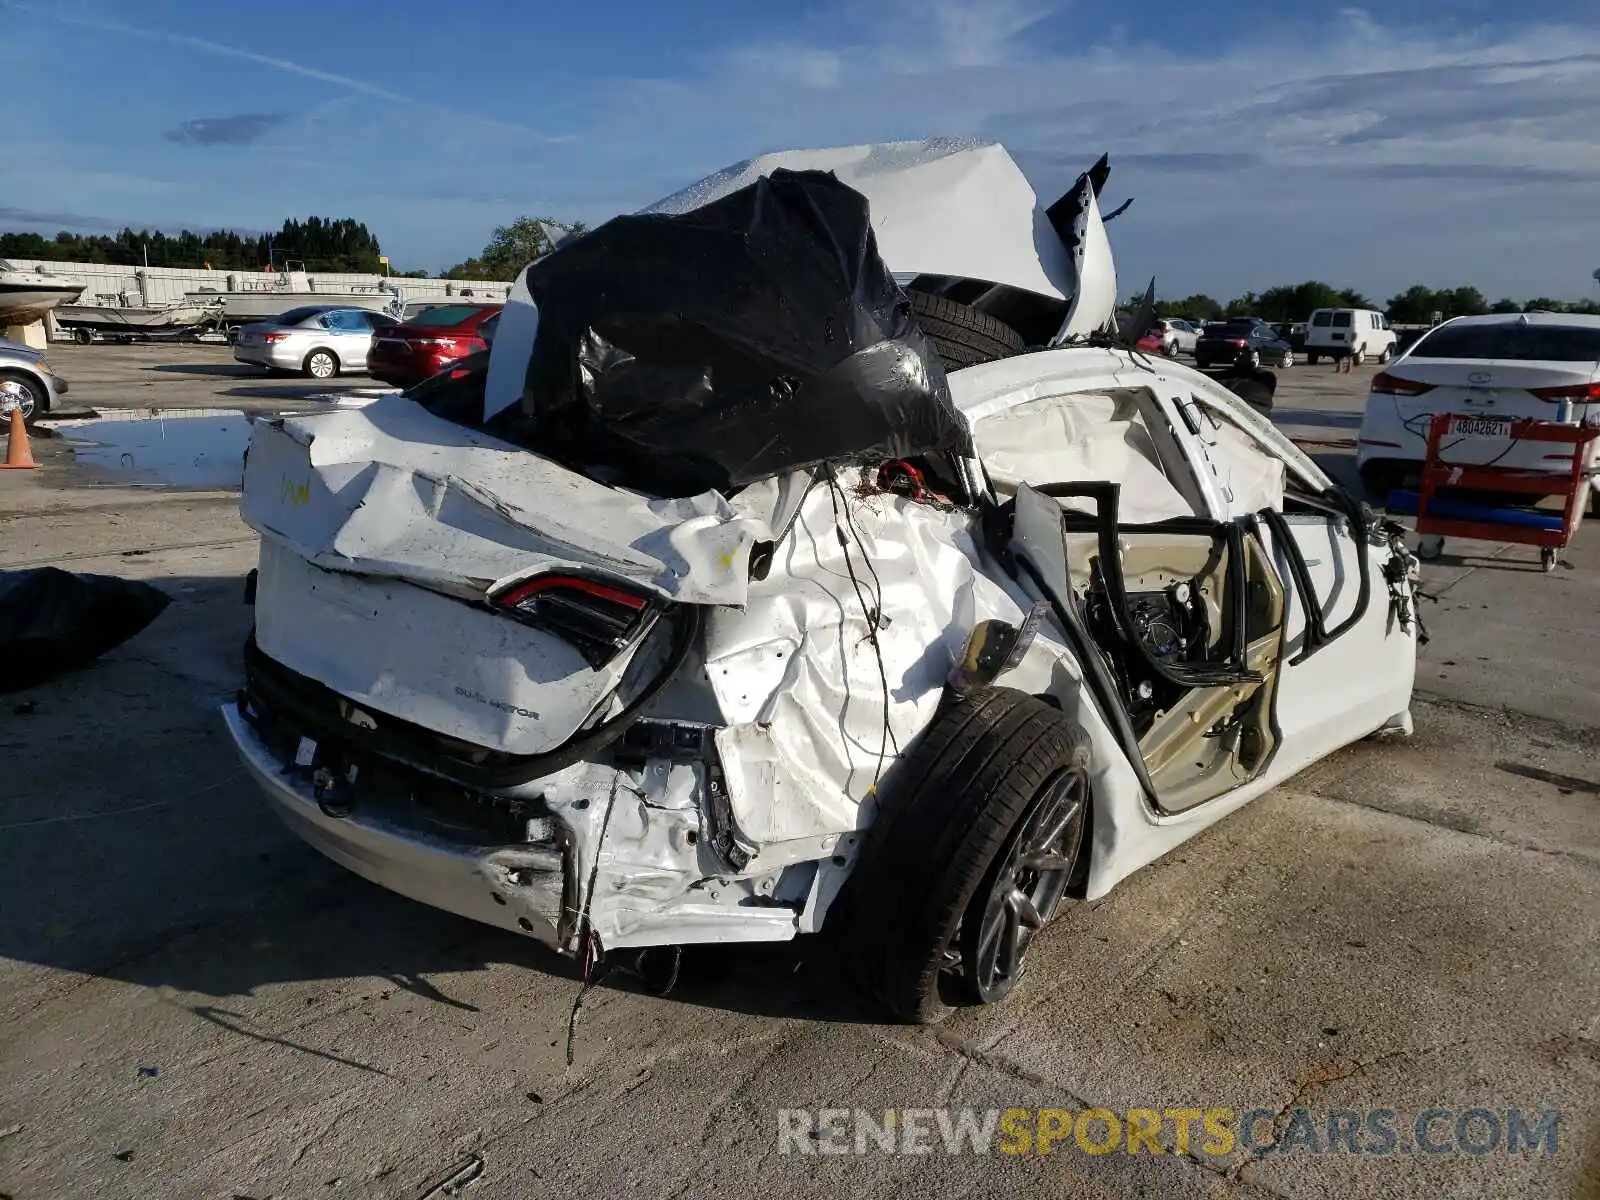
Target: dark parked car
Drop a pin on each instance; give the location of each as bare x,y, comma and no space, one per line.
1242,341
425,344
1293,332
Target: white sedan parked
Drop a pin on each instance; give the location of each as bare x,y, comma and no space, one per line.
319,340
1495,368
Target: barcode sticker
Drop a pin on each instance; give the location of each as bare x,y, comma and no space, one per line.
305,753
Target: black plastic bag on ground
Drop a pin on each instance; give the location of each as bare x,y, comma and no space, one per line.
758,334
53,621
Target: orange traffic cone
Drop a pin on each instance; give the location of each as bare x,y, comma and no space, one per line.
19,453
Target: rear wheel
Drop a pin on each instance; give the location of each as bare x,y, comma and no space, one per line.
1312,358
1252,360
321,364
82,336
1386,354
1359,356
970,854
1288,358
963,336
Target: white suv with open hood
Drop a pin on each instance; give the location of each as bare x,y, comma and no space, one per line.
1011,637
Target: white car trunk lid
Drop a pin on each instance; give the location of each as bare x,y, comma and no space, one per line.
385,529
1492,387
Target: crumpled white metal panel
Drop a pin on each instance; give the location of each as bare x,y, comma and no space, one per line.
797,674
391,490
1080,436
946,206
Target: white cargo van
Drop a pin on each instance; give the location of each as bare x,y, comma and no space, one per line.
1338,332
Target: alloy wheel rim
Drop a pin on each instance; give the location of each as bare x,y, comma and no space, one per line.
22,395
321,366
1023,889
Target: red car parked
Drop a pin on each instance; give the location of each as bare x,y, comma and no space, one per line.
425,344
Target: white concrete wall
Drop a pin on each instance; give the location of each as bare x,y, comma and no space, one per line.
170,283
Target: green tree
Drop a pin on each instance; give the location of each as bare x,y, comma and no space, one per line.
1350,298
1464,302
1242,306
322,243
512,247
1298,301
1198,307
1545,304
1505,306
1414,306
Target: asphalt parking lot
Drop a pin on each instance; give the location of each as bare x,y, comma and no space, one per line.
193,1003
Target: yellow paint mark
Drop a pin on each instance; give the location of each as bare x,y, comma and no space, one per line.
295,494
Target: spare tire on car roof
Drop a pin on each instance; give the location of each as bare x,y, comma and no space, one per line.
963,336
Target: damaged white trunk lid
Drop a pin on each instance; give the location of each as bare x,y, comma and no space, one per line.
385,529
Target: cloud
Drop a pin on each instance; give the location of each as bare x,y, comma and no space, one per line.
1344,122
238,130
206,46
348,83
55,220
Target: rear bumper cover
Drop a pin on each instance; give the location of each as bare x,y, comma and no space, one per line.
268,356
518,888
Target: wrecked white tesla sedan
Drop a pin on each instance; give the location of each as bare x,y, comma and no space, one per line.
710,611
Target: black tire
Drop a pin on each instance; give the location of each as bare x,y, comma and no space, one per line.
321,352
1312,358
1385,354
35,403
951,817
963,336
82,336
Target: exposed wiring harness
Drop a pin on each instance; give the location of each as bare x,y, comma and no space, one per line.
597,966
873,613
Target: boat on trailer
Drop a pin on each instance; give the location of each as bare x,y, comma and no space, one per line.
293,288
115,319
26,296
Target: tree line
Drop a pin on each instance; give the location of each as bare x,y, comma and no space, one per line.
347,245
321,243
1417,305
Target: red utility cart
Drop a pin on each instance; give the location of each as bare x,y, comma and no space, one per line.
1442,511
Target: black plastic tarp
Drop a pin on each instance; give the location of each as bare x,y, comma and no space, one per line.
755,335
53,621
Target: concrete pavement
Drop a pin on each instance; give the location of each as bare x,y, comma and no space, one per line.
192,1003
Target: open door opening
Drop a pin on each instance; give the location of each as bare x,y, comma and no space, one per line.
1179,625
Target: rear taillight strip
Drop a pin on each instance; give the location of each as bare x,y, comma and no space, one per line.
1583,393
597,619
1385,384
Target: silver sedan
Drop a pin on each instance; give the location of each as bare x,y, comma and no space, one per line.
27,381
318,340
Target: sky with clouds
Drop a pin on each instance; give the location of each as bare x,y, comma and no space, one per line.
1263,142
